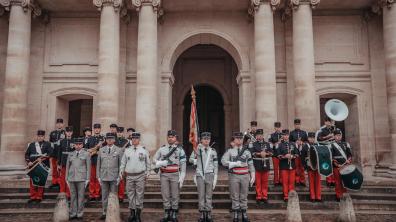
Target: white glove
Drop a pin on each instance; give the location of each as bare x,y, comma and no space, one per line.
181,180
195,162
214,181
161,163
252,179
234,164
118,180
100,181
86,183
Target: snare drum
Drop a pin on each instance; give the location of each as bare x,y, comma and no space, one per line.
320,159
351,177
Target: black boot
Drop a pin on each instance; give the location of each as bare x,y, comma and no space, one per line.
174,216
166,216
236,216
208,216
245,216
202,217
132,216
138,212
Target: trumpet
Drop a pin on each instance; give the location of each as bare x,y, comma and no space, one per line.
249,136
289,159
94,150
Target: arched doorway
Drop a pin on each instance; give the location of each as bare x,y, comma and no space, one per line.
213,72
210,113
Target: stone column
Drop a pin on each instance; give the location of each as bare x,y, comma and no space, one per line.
147,72
14,117
109,62
265,74
304,63
389,26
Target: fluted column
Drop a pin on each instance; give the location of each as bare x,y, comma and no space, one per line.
265,74
14,117
304,63
109,62
389,26
147,76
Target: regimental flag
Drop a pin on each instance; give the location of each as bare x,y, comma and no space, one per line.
39,174
194,129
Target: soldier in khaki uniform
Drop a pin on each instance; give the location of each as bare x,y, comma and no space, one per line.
173,172
107,169
206,175
135,165
240,171
78,169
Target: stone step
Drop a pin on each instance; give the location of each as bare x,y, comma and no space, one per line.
275,195
219,204
190,215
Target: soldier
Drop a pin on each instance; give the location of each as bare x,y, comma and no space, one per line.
275,139
298,133
113,128
135,165
129,133
87,135
171,160
205,159
300,172
122,143
240,172
342,155
77,173
261,152
287,153
66,147
34,151
313,175
55,137
251,131
95,142
107,169
326,134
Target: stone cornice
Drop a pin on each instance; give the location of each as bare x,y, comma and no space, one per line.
117,4
296,3
25,4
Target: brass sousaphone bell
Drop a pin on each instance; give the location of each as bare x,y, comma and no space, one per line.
336,110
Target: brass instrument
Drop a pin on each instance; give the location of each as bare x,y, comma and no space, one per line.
250,136
94,150
289,159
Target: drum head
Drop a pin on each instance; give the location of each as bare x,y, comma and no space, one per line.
351,177
348,169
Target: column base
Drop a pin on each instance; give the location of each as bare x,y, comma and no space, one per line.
12,160
385,171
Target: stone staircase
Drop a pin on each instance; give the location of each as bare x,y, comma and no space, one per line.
376,201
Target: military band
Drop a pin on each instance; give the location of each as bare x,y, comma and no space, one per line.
37,151
241,174
78,169
206,162
104,163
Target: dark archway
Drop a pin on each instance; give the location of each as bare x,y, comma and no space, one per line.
210,109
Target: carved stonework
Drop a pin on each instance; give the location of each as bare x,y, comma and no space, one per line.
378,6
25,4
296,3
255,6
155,3
117,4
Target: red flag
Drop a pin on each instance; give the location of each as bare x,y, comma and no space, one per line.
193,136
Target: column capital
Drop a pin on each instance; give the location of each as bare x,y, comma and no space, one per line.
156,4
379,5
296,3
117,4
255,5
25,4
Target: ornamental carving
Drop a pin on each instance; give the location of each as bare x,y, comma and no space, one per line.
255,5
25,4
156,4
380,4
296,3
115,3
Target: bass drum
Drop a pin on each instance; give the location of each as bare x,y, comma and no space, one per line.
351,177
320,159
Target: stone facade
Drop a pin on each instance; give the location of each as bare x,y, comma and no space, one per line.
122,54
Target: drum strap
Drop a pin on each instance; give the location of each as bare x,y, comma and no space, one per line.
38,148
340,150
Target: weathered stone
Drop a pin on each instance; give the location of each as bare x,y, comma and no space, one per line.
61,211
293,208
113,209
347,213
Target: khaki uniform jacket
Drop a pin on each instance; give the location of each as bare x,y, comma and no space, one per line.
78,166
109,162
